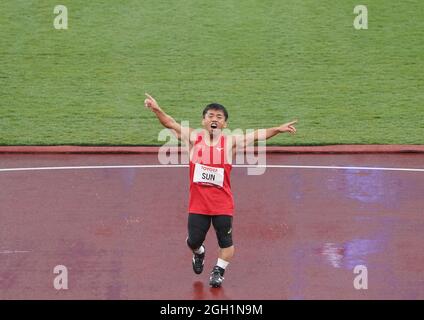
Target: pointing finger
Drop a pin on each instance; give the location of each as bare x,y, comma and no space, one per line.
149,96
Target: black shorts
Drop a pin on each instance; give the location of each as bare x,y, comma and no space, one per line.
199,224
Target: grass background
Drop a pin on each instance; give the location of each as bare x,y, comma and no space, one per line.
267,61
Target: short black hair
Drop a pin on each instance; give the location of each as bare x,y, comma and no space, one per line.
215,106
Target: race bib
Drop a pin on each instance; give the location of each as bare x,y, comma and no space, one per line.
208,175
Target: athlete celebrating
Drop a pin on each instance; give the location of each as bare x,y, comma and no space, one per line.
211,199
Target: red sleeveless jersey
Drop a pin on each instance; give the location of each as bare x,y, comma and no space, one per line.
210,186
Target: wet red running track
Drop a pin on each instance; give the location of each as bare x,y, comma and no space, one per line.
299,232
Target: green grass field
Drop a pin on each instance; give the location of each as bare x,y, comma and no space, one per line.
267,61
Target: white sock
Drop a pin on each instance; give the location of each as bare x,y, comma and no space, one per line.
222,263
200,250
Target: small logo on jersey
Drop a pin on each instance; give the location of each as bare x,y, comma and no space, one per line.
230,231
219,149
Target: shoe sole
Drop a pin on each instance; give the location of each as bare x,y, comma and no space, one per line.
197,272
215,285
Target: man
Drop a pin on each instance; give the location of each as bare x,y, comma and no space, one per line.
211,199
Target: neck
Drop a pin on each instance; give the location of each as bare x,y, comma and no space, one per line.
213,138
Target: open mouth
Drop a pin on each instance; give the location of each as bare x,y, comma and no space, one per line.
214,126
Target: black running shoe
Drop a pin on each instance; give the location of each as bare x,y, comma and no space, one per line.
198,262
217,276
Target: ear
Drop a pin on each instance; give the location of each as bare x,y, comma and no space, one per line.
225,124
203,121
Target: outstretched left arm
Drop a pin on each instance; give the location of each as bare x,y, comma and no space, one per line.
263,134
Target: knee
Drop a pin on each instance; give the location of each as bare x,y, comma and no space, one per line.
194,244
225,241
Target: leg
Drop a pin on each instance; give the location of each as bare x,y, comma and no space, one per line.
198,226
226,253
223,226
223,229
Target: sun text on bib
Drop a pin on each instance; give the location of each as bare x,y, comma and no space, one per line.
208,175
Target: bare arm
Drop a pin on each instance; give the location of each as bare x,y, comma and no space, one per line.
182,133
263,134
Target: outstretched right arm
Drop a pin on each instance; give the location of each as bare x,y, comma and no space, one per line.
182,133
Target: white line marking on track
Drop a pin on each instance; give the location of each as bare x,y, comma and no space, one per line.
94,167
185,166
12,251
335,167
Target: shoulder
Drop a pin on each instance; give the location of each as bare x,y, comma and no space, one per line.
195,136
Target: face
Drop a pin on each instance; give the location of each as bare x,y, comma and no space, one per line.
214,121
